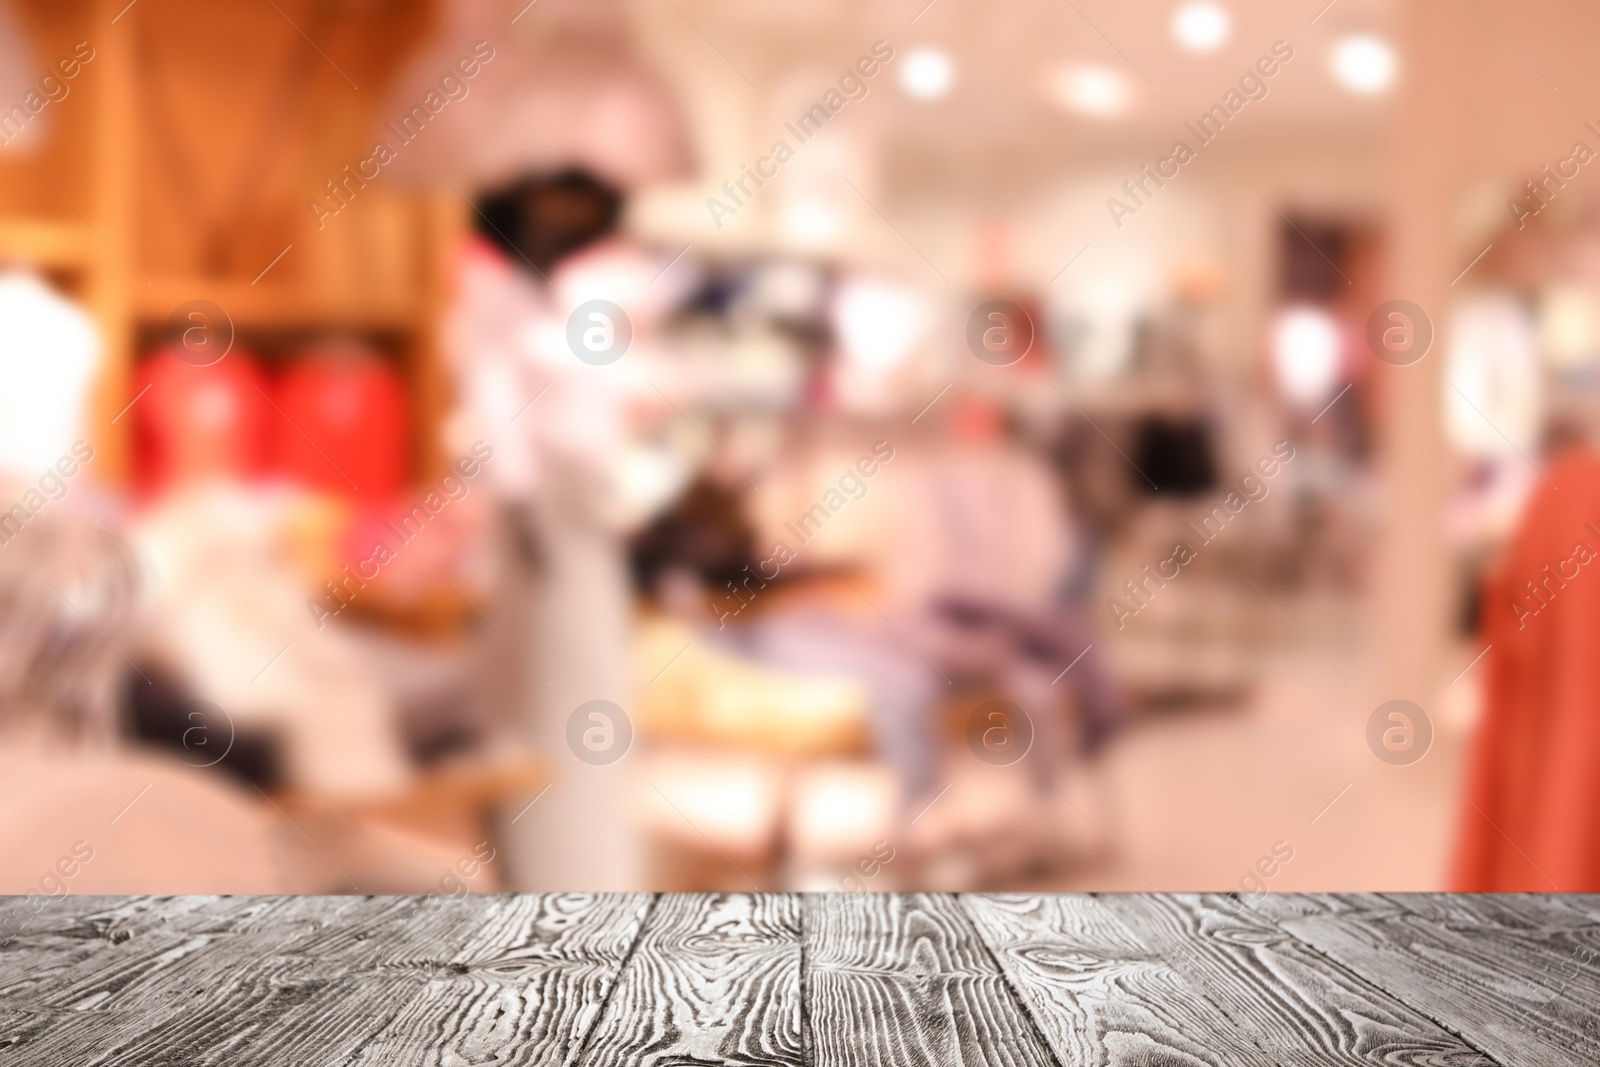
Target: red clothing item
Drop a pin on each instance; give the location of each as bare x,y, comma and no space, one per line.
1533,818
200,423
345,424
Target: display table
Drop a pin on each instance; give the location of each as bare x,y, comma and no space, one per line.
773,979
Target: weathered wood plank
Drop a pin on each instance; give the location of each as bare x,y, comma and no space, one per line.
1516,990
525,987
1538,913
1293,1002
783,981
345,980
85,979
1099,995
91,954
894,980
1587,904
715,979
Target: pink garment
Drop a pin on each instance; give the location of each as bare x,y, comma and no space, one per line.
983,522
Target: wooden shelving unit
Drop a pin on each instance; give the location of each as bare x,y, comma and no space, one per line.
265,307
181,164
48,244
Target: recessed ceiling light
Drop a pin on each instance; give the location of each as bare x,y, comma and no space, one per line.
1090,90
1364,64
1202,26
927,74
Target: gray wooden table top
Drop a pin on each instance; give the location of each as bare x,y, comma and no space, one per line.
675,981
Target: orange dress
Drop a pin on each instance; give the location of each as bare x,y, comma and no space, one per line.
1533,781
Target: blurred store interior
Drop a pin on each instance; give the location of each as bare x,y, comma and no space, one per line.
467,445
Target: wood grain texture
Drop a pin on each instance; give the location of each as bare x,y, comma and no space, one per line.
1521,981
715,979
903,979
74,977
1532,913
1293,1003
1101,996
558,980
524,988
426,980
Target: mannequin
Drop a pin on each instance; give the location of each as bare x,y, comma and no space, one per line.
559,427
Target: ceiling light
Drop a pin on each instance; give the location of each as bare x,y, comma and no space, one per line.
927,74
1364,64
1091,90
1202,26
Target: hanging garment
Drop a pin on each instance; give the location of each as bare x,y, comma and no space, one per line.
1532,821
345,424
200,424
49,355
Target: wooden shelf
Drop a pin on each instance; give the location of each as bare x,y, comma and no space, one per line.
265,306
191,162
47,243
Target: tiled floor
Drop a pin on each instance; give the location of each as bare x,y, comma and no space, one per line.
1200,797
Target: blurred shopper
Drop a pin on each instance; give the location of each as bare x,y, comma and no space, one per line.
994,543
934,580
1532,818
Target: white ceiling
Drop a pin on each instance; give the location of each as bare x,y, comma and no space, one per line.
998,139
1004,51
